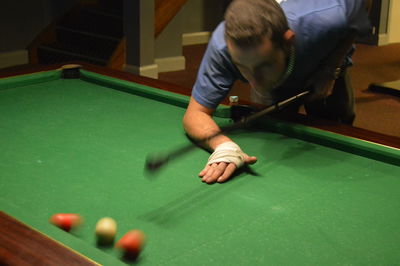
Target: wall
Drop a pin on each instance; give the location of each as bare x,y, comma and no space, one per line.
383,25
198,17
202,15
21,21
169,42
389,31
394,22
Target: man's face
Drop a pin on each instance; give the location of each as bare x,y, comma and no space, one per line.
263,65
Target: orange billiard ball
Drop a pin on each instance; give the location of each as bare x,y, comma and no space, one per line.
132,243
66,221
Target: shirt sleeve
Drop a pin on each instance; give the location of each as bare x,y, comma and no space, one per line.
357,16
358,20
216,75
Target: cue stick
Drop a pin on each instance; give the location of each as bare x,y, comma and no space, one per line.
155,162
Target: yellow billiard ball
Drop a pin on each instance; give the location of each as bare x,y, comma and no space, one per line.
106,229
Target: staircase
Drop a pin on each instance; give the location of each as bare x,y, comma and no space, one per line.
89,33
93,33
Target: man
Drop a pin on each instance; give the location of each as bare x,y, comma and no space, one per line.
280,49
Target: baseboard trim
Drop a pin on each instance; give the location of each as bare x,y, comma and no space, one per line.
195,38
383,39
14,58
171,63
150,71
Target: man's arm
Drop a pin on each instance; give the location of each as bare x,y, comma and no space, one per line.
214,80
346,24
198,123
324,78
357,23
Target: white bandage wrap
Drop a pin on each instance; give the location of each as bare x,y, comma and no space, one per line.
228,152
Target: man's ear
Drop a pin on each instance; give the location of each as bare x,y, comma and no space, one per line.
289,35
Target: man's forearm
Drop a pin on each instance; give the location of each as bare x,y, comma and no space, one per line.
200,126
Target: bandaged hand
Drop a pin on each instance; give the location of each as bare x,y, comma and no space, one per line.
226,158
228,152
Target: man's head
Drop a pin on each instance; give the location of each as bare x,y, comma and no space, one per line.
259,40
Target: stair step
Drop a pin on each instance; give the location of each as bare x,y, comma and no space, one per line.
96,50
90,40
106,12
88,20
89,34
114,6
54,53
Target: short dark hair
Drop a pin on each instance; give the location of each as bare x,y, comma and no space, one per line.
247,22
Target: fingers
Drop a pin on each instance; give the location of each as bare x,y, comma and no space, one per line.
212,172
221,172
217,172
250,160
205,170
323,89
229,170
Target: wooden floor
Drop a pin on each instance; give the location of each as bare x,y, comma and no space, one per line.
375,111
22,245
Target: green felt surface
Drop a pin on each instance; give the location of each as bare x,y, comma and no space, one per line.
80,146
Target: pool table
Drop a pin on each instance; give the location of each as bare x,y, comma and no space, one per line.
320,194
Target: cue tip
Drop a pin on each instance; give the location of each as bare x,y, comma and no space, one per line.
155,163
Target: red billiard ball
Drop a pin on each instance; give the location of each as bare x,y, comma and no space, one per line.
66,221
132,243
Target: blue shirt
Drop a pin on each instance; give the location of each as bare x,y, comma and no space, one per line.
318,24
